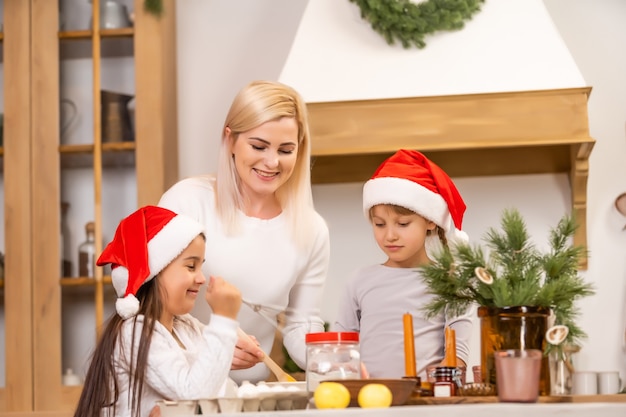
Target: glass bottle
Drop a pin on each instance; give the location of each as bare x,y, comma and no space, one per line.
87,253
562,369
66,263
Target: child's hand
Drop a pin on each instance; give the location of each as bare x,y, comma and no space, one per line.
247,352
224,298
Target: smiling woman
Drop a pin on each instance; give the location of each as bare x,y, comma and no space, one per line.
263,233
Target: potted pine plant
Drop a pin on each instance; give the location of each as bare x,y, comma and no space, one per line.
525,297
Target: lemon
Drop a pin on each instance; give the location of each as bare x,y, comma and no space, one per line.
331,395
375,396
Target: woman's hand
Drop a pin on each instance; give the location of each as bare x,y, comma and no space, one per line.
247,353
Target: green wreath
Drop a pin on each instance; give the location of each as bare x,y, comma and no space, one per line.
408,22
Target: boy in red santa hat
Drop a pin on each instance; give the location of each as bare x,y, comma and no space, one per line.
415,209
152,349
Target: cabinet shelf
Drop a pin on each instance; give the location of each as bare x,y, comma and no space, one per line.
114,154
89,148
83,281
104,33
86,287
76,44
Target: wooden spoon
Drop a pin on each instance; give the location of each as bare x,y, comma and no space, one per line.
281,375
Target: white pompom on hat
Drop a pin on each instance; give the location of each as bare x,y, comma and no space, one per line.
145,242
408,179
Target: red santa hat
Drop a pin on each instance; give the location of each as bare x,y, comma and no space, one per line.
144,244
410,180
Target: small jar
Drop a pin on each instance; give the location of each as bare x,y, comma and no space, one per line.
331,356
447,378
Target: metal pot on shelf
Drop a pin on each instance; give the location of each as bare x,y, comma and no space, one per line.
113,15
116,121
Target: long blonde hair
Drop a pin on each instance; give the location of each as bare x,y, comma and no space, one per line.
257,103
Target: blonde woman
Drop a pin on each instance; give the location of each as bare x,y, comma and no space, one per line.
263,232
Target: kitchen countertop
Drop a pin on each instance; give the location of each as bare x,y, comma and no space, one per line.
468,410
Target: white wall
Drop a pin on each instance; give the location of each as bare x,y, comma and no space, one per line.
510,45
494,52
596,36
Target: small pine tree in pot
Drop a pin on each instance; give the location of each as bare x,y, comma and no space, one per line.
513,278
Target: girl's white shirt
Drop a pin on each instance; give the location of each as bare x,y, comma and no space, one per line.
200,370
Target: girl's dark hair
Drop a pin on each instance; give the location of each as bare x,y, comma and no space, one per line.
101,389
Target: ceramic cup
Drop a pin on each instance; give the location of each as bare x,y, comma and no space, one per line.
585,383
517,375
478,375
609,382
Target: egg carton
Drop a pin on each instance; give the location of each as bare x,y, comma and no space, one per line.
279,396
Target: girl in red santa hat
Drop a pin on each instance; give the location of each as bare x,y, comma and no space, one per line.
414,209
151,348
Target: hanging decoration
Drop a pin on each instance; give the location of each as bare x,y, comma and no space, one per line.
409,23
153,6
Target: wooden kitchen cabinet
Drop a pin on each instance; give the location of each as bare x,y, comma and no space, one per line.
35,164
17,391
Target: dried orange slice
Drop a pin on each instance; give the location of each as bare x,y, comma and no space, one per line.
483,275
555,335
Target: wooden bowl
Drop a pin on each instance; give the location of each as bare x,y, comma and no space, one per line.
401,389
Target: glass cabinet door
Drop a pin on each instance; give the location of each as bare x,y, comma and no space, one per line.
96,168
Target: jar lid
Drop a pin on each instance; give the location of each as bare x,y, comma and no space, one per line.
325,337
445,371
